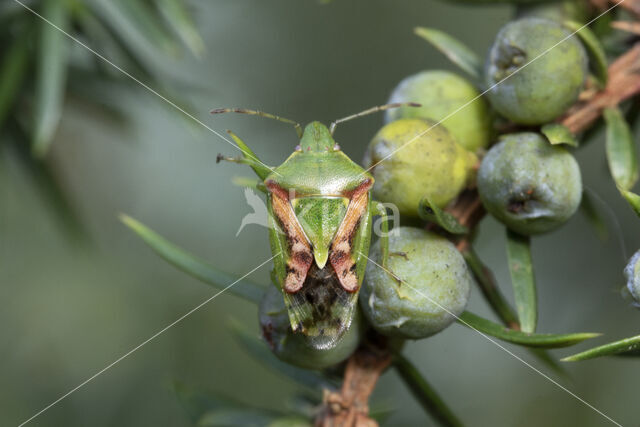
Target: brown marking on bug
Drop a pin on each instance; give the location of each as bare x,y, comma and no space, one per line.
300,256
341,247
276,189
363,187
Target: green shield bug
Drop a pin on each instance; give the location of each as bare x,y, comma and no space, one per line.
320,214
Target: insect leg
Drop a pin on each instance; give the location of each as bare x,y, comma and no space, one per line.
250,183
248,158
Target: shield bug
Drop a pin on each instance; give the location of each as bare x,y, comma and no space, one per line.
320,213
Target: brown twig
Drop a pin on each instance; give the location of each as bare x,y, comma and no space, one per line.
624,82
628,26
350,406
632,6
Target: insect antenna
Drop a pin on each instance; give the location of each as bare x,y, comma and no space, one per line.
296,125
332,128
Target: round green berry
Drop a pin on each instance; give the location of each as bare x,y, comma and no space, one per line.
293,347
528,184
534,72
443,94
412,158
432,290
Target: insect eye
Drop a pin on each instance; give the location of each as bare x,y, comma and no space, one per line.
298,147
336,147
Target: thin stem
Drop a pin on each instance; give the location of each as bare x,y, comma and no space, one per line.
424,393
490,290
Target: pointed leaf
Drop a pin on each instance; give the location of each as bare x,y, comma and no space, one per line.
144,39
633,199
501,307
51,74
522,280
595,50
245,416
291,421
259,351
208,408
146,23
424,392
522,338
490,290
621,150
543,356
559,134
431,212
197,402
193,265
589,210
176,14
12,73
457,52
629,346
49,189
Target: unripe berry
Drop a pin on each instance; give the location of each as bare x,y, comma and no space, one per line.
528,184
444,94
413,158
293,347
433,290
541,91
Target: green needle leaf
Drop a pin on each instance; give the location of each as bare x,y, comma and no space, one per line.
522,280
633,199
12,74
522,338
140,16
192,265
490,290
621,150
259,351
432,213
595,50
589,210
243,416
559,134
456,51
49,189
176,14
51,75
424,393
627,346
213,409
197,402
137,30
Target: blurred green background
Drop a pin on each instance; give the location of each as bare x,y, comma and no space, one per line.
69,310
